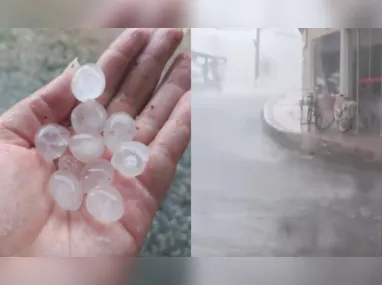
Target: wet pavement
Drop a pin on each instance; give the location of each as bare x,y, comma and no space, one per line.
282,121
252,197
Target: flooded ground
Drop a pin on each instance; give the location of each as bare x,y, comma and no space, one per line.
252,197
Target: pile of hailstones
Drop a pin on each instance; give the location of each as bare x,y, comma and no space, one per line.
83,173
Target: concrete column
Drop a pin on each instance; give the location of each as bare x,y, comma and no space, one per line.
310,64
344,62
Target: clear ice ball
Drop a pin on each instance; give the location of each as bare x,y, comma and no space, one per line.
86,147
131,158
96,173
89,117
52,141
66,190
88,82
69,163
105,204
119,128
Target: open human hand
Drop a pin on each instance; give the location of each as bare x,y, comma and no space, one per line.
31,224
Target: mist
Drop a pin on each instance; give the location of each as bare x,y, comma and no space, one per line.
280,58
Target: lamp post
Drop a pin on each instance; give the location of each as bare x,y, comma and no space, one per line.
257,53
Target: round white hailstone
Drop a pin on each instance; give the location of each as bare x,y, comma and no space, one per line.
119,128
66,190
131,158
96,174
86,147
140,148
105,204
69,163
52,141
89,117
88,82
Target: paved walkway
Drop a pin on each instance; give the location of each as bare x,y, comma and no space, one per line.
282,120
283,113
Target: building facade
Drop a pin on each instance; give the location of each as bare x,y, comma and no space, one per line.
347,61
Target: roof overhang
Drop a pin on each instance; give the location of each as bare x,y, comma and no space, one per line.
301,30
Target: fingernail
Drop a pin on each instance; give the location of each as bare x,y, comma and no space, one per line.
74,64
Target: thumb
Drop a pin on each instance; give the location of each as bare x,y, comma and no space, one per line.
50,104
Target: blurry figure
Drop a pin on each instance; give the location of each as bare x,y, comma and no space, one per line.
94,13
138,14
369,109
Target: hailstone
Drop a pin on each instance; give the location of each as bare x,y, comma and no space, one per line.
88,82
119,128
89,117
131,158
52,141
83,171
96,173
66,190
105,204
86,147
68,162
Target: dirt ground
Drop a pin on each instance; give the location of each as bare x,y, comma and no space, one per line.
29,58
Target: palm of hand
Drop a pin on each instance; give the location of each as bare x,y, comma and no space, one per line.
31,224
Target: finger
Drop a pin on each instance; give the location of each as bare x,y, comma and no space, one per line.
167,149
176,82
116,60
50,104
142,80
141,203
